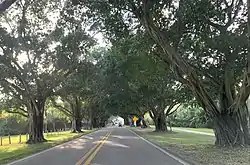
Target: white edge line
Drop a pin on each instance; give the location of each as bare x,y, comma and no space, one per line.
41,152
162,150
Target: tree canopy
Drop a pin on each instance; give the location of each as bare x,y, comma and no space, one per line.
162,54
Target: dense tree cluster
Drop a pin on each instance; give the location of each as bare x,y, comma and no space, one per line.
162,55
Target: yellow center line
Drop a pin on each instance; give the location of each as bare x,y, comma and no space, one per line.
91,150
91,157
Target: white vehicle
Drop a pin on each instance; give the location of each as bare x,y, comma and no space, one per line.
116,121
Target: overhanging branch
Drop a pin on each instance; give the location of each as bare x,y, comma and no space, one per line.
174,110
17,112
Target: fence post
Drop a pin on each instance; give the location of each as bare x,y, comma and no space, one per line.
26,136
9,140
20,138
1,141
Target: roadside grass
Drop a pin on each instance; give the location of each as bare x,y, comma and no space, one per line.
197,149
16,151
206,130
15,139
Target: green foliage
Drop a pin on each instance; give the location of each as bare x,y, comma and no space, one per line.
190,116
137,82
13,124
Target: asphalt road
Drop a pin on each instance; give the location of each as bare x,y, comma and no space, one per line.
108,146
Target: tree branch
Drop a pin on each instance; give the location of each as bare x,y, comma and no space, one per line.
17,112
229,14
13,86
61,108
171,106
173,111
22,109
151,114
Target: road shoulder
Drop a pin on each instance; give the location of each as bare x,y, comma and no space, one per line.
166,151
199,149
38,149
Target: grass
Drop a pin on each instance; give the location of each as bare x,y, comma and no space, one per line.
198,149
16,151
206,130
14,139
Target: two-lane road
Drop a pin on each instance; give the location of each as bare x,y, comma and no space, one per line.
108,146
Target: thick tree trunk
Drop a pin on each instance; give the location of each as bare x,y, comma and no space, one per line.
76,116
73,125
65,126
231,130
90,119
248,56
76,124
95,123
36,117
144,124
230,125
160,123
54,126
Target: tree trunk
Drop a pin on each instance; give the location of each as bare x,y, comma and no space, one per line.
160,123
54,126
94,123
36,116
90,119
230,125
65,126
231,130
76,116
144,124
73,125
78,124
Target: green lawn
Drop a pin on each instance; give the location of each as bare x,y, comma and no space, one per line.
198,149
15,151
206,130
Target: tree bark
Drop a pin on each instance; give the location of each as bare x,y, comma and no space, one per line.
160,124
36,117
76,116
90,122
76,124
230,125
73,125
160,121
230,130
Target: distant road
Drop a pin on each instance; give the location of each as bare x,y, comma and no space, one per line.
108,146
